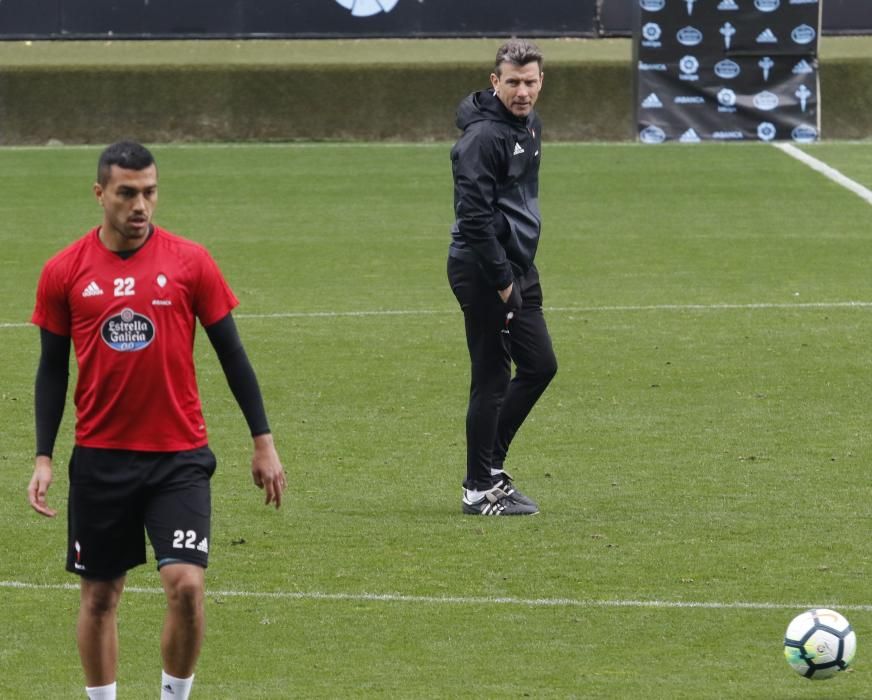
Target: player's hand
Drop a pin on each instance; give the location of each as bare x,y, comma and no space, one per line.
38,487
506,294
267,470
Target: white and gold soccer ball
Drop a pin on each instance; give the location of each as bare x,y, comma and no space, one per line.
819,643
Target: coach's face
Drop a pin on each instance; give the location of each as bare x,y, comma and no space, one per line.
517,87
128,198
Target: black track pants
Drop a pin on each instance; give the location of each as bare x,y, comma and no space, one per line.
498,402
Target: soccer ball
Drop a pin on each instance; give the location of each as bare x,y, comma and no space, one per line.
819,643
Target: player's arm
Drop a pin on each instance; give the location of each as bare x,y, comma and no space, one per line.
50,395
266,468
476,166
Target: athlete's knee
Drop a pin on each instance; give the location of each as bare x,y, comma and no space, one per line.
100,598
185,589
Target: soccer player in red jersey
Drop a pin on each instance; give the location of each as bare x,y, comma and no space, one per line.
127,296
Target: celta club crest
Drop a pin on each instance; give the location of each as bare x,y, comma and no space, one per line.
690,6
728,30
368,8
803,93
765,64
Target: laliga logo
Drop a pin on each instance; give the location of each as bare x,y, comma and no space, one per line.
766,131
368,8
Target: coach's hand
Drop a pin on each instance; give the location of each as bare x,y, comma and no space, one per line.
38,487
267,470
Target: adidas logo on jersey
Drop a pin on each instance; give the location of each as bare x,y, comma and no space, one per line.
203,546
92,290
518,149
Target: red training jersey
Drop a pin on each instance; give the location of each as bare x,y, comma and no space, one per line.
132,323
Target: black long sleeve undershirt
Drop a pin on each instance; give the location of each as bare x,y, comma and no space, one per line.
50,392
239,373
53,374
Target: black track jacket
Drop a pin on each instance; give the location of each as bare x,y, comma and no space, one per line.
495,164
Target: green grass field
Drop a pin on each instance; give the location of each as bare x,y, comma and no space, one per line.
701,459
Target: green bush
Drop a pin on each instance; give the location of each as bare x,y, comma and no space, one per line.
390,102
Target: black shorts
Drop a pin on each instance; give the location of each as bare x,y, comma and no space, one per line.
117,495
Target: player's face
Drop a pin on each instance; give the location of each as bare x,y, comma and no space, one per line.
128,199
517,87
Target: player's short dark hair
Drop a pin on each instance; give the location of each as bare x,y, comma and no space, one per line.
518,52
125,154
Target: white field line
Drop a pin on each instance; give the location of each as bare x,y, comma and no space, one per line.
579,309
462,600
277,145
550,309
827,171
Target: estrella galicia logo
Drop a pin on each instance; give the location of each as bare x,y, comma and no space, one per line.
803,34
689,36
652,5
767,5
652,134
766,101
128,331
804,134
727,69
368,8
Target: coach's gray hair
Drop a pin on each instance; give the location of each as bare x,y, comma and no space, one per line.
518,52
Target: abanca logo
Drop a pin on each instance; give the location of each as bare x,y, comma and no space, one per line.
127,331
368,8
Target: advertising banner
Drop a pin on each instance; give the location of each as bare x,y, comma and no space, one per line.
293,18
727,70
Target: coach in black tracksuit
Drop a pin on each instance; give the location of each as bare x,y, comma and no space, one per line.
495,164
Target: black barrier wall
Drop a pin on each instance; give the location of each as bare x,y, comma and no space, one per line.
99,19
294,18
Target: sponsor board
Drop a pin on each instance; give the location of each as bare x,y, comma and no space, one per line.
728,70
